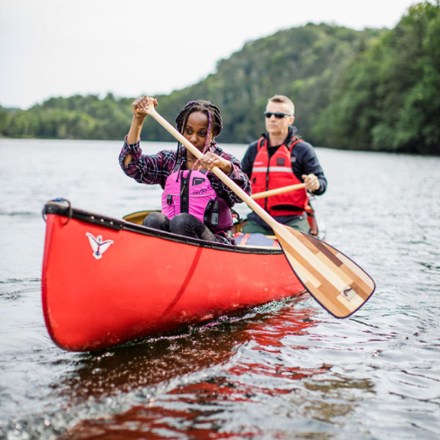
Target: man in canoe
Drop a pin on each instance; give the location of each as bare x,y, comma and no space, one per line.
280,158
195,202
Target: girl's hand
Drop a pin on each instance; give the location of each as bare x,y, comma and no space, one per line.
210,160
141,106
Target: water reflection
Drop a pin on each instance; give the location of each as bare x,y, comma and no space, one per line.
156,360
194,385
151,362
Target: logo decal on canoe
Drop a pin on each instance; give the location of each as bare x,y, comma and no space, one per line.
98,245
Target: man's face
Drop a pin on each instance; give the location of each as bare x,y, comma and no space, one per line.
278,122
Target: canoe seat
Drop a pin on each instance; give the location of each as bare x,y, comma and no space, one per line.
255,240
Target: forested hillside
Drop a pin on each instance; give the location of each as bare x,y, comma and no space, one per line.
375,89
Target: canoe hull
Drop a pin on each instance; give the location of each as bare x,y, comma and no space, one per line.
107,281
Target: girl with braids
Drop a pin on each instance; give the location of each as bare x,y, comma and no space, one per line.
195,202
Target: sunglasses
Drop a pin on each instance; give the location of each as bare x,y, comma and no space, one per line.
278,115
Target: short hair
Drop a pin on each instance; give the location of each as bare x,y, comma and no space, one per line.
283,100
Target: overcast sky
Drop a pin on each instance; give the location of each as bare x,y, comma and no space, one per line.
130,47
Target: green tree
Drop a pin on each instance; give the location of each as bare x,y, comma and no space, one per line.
376,89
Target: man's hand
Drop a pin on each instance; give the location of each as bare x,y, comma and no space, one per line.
311,181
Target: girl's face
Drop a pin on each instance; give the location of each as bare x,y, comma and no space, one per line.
196,130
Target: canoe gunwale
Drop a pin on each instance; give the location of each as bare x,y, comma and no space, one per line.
62,207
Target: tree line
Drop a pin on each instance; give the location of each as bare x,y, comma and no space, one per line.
375,89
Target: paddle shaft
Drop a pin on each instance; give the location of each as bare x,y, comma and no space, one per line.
217,171
280,231
336,282
278,228
273,192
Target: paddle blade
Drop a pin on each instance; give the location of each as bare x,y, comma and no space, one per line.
333,279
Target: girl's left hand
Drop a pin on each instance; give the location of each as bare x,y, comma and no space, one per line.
210,160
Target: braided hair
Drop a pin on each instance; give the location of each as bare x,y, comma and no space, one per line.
215,122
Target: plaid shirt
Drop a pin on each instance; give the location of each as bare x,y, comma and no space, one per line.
155,169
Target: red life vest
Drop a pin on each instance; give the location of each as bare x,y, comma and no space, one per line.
275,173
192,192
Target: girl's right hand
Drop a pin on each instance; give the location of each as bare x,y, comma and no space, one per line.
141,105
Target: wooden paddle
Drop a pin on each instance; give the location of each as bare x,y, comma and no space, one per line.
334,281
273,192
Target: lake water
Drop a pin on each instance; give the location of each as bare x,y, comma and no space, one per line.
281,371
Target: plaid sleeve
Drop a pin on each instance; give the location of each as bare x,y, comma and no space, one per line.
150,169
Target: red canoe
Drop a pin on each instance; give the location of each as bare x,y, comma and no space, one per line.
106,281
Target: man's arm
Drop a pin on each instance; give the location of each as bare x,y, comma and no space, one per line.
248,159
307,163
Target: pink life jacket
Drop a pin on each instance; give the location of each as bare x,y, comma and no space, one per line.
191,191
